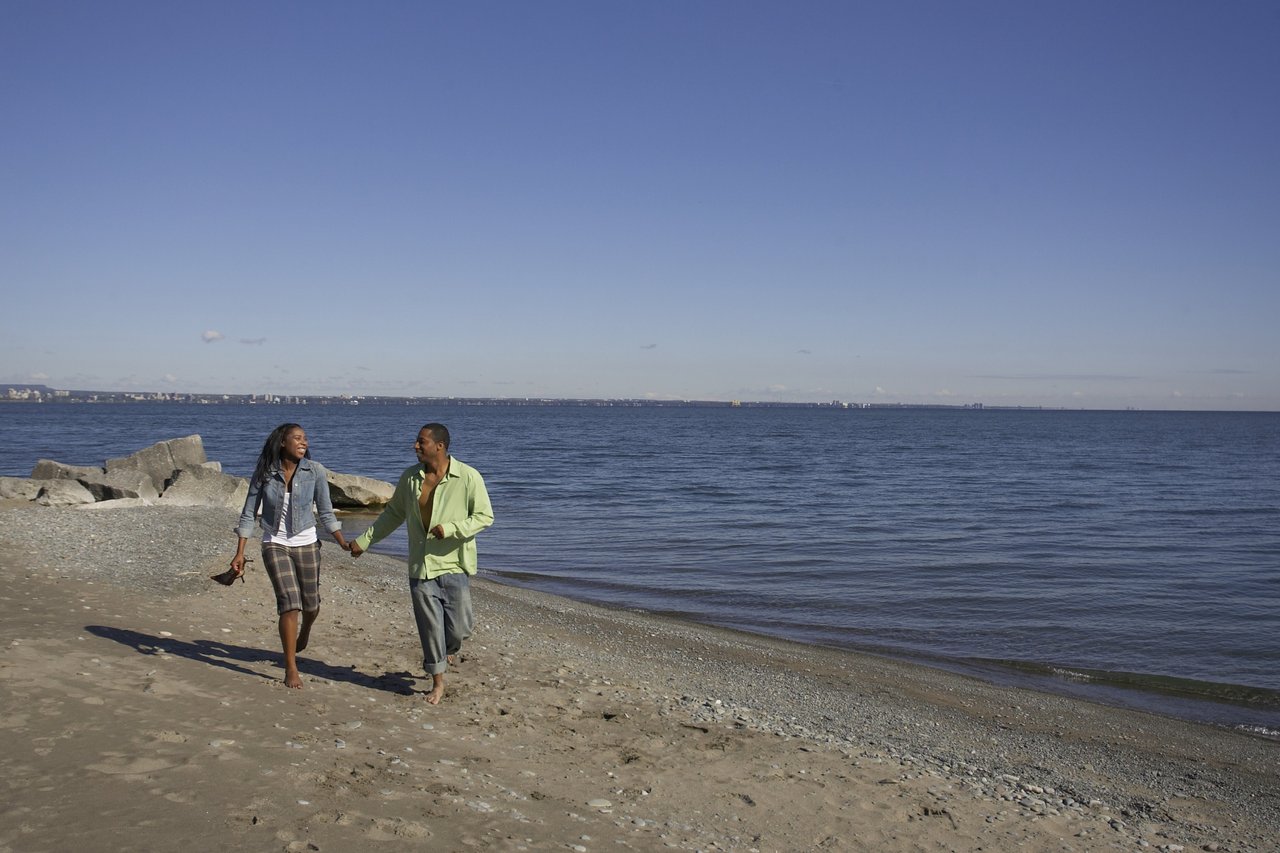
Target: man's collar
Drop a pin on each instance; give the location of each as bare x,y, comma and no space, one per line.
449,469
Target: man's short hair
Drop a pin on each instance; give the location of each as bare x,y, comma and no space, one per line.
439,432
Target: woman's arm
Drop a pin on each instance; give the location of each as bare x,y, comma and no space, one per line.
324,506
244,527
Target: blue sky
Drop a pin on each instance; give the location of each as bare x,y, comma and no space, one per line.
1061,204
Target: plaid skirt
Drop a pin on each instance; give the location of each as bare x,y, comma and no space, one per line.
295,575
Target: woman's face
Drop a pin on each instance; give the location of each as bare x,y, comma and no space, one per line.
295,444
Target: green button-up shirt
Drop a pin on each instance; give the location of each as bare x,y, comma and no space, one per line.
461,505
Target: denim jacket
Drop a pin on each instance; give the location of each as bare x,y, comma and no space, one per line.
310,486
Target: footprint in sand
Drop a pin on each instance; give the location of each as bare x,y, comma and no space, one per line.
392,830
169,737
137,767
14,721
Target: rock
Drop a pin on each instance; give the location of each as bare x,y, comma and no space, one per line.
188,452
64,493
155,461
21,488
160,461
350,491
47,469
202,487
120,483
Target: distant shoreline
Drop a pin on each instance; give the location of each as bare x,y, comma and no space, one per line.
42,394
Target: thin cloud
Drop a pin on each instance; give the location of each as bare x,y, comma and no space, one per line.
649,346
39,377
253,342
212,336
1060,377
1230,371
805,352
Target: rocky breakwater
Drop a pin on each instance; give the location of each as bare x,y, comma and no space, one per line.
168,473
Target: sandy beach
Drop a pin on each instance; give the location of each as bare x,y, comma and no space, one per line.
142,708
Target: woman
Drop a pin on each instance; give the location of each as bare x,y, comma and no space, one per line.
285,486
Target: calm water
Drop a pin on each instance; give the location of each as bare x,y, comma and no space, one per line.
1130,557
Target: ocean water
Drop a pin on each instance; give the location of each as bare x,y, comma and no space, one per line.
1128,557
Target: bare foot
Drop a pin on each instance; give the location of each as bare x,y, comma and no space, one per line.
437,690
294,680
452,659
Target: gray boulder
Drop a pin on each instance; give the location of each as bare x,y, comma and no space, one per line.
121,483
351,492
21,488
188,452
47,469
200,486
64,493
162,460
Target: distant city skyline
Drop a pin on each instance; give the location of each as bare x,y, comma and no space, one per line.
16,393
1011,204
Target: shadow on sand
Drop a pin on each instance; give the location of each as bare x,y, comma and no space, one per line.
230,656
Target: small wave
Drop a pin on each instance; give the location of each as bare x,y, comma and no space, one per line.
1198,511
1070,504
1262,731
1071,675
1244,695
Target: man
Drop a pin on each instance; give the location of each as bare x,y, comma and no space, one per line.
444,503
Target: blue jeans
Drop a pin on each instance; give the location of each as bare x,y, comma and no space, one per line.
442,609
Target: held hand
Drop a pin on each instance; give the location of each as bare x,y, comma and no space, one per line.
438,531
355,549
237,564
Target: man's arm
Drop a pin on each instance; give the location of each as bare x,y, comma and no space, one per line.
391,517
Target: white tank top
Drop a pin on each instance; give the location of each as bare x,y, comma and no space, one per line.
280,536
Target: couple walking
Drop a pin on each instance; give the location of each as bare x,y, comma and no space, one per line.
442,501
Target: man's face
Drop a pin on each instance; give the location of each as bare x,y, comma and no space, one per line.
427,448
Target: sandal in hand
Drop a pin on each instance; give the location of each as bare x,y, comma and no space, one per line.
228,577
